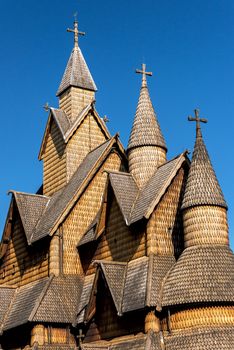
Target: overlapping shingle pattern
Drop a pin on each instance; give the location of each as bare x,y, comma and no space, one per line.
134,203
6,296
23,303
60,301
60,199
206,338
133,285
31,208
202,187
149,341
76,73
145,129
201,274
51,299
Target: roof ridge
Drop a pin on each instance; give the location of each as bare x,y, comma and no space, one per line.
28,194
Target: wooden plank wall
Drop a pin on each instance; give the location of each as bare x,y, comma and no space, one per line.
165,228
54,162
87,137
107,323
83,214
22,264
119,243
74,99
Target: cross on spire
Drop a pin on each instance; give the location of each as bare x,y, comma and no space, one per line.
197,120
144,73
75,31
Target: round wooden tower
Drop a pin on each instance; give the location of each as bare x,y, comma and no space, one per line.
146,147
198,293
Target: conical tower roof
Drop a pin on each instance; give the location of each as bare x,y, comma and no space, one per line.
77,72
145,130
202,187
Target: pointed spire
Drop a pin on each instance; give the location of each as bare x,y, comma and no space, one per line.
77,72
145,130
202,186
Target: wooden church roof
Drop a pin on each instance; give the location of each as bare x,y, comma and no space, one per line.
145,129
77,72
202,186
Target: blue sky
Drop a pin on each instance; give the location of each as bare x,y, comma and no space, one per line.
188,45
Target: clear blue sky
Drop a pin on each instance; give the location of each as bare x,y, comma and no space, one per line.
188,45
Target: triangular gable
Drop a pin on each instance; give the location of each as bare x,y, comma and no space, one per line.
114,273
62,202
31,208
24,303
155,188
137,204
67,128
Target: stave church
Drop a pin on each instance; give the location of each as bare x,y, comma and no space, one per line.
119,249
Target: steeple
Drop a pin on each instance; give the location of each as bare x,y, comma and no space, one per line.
202,186
204,206
146,146
77,88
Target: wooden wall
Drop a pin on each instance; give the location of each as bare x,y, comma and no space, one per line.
83,214
87,137
22,264
52,334
119,243
165,228
106,324
74,99
54,162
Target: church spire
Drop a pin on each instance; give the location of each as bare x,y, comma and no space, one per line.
146,146
202,186
204,206
77,88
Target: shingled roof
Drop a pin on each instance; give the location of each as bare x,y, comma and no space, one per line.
68,127
51,299
31,208
206,338
202,187
136,204
201,274
146,273
76,73
145,130
149,341
61,199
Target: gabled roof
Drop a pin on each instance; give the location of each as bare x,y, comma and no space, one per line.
23,304
145,130
63,200
31,208
125,190
66,127
133,285
76,73
212,279
51,299
6,296
202,187
138,204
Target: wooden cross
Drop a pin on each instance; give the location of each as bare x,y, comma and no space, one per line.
197,119
80,336
144,73
76,31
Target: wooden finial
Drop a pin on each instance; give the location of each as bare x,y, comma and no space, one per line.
75,31
144,73
197,120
